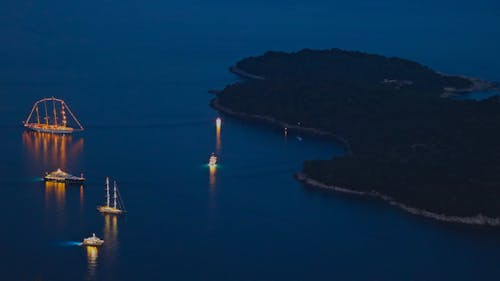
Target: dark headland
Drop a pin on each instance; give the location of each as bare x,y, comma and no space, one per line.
407,142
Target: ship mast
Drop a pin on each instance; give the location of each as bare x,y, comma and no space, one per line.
60,118
114,195
107,191
37,115
46,113
54,109
63,114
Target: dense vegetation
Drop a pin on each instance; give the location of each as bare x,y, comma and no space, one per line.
348,67
408,142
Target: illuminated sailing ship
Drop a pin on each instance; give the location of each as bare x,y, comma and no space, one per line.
51,123
117,207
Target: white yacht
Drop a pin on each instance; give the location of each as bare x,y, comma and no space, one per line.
93,241
212,162
61,176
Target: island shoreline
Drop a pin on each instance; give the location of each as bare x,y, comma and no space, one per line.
477,84
242,73
476,220
214,103
479,219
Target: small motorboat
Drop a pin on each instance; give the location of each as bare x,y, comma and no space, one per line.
93,241
212,162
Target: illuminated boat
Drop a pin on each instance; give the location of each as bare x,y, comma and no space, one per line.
51,123
93,241
61,176
117,207
212,162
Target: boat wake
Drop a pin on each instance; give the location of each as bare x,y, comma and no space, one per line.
69,243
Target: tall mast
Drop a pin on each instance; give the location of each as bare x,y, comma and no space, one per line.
46,113
37,115
114,195
107,191
54,107
63,114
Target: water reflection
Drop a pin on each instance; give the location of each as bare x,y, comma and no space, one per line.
92,254
108,249
212,170
110,229
110,236
218,123
81,198
55,191
50,150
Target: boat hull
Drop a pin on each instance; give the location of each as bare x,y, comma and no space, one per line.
61,176
92,244
50,129
79,180
109,210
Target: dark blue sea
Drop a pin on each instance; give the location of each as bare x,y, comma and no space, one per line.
136,74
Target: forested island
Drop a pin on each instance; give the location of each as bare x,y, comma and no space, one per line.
407,142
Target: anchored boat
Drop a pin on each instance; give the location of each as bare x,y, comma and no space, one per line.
117,207
56,122
93,241
212,162
61,176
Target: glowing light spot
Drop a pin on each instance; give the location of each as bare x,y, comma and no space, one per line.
213,169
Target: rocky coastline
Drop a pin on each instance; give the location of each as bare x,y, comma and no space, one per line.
476,85
478,219
273,121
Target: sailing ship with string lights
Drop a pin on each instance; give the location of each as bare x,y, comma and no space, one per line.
55,122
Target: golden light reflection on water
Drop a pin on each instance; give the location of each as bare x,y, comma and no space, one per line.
55,191
51,150
110,229
110,237
110,234
212,170
92,255
81,198
218,124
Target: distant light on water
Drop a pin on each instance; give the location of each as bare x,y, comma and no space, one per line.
218,123
212,170
37,179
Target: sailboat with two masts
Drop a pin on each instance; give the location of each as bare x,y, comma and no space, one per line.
117,207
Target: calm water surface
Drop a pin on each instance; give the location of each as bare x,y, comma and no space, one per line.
136,74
